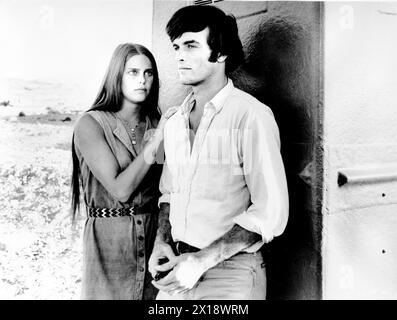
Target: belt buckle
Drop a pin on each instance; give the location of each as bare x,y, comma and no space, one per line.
177,246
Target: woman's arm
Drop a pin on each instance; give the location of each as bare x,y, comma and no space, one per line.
90,139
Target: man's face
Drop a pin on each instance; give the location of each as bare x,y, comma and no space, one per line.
192,53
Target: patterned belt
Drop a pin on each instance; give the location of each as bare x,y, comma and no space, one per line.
117,212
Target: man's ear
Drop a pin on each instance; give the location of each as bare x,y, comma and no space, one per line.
221,59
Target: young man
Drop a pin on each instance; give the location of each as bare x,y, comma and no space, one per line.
224,192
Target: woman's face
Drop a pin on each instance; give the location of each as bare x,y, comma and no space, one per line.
137,79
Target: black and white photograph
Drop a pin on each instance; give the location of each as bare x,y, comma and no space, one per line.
214,150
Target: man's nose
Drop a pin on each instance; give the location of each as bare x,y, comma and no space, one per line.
179,56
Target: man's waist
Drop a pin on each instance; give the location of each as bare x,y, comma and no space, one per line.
182,247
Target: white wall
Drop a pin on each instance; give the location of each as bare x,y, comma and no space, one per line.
360,131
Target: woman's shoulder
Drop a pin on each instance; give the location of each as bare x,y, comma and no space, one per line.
90,129
94,121
102,118
86,124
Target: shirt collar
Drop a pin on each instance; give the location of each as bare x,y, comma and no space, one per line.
216,102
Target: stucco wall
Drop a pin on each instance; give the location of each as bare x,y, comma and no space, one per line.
360,130
171,92
282,45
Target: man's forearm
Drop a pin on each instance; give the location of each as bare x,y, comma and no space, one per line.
232,242
164,227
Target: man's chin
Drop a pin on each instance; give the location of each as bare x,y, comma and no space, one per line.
187,82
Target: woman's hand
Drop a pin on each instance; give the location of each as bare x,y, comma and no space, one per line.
168,114
156,136
158,133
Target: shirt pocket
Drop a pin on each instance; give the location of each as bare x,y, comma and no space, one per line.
212,180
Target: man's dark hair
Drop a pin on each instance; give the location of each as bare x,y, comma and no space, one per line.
223,36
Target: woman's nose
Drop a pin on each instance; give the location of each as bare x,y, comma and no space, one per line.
142,78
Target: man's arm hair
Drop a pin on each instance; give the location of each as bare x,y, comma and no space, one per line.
164,226
232,242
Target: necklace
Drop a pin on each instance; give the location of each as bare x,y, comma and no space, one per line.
133,132
131,128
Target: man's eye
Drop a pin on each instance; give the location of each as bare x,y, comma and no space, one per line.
189,46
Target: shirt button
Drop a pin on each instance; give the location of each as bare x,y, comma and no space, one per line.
141,254
140,238
141,269
139,222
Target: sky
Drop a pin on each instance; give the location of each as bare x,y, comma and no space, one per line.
68,40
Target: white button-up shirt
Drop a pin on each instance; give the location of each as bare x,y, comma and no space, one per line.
233,174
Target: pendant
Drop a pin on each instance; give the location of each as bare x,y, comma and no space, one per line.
133,136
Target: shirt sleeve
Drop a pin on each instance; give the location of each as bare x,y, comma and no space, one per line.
264,173
165,184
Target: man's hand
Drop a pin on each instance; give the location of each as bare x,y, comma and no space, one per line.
161,250
189,267
187,270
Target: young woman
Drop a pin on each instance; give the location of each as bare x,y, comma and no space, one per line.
114,148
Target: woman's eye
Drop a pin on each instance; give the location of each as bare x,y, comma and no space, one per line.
149,73
133,72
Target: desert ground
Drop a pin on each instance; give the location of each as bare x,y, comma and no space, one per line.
40,249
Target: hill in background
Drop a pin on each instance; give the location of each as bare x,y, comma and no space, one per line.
34,97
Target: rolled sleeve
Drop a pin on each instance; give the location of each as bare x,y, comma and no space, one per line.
265,177
165,185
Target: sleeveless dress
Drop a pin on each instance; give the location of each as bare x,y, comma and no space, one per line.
116,250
